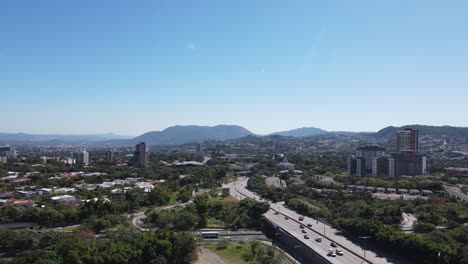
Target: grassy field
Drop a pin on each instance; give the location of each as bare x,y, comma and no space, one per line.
232,254
214,223
228,199
173,199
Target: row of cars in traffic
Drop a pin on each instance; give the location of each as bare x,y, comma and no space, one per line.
332,252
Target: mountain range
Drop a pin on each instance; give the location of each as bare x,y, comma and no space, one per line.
301,132
192,134
189,134
427,130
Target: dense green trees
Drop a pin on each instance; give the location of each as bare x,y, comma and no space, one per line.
176,219
245,214
202,205
34,247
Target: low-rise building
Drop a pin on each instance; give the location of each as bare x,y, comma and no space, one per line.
402,191
276,182
360,188
285,165
64,190
46,191
64,198
426,192
456,172
14,202
380,189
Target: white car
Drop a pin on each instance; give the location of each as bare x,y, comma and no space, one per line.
318,239
339,252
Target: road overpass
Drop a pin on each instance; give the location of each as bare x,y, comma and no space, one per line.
353,253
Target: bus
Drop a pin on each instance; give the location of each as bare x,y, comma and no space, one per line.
210,234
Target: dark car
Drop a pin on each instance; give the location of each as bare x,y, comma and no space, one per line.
333,244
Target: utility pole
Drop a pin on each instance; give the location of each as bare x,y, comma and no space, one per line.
365,245
276,233
295,251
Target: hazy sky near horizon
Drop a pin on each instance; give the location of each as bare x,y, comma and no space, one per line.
133,66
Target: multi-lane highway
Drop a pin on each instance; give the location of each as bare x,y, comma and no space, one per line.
320,248
352,253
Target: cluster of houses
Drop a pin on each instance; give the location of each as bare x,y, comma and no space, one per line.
129,183
61,195
64,194
373,189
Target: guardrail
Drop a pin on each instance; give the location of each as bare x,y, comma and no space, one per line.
338,244
351,251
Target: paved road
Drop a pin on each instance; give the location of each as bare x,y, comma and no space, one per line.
206,159
321,248
238,190
408,222
137,221
206,256
137,218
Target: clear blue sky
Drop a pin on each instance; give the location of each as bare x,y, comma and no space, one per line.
133,66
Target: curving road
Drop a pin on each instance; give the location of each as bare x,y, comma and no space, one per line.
353,253
408,222
206,256
138,217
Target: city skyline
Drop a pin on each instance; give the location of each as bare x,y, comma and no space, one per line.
94,67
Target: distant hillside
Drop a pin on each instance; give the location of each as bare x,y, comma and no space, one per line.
190,134
426,130
56,138
301,132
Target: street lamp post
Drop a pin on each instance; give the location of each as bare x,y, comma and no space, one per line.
365,245
295,251
276,233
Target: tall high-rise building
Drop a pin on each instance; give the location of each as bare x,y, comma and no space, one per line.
356,166
109,156
140,156
372,160
408,140
369,153
408,160
82,157
85,157
8,152
409,163
361,163
383,166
